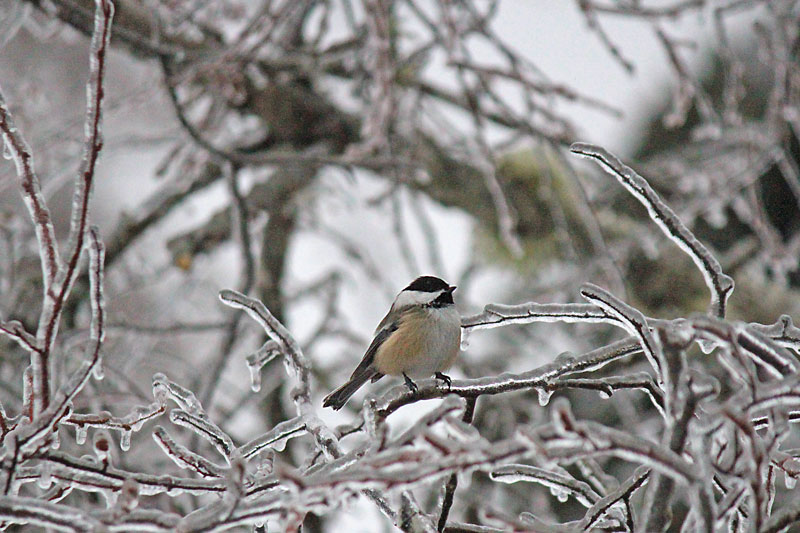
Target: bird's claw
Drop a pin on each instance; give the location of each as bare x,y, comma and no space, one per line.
410,384
445,378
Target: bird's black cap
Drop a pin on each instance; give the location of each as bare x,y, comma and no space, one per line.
427,284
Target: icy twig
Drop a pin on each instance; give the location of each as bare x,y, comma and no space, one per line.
607,386
300,369
452,483
783,519
409,468
33,511
17,147
207,429
125,424
593,21
754,341
632,320
497,315
574,440
624,492
538,378
717,281
97,326
412,518
14,330
27,436
164,388
67,272
680,409
91,476
783,332
562,484
296,363
185,458
276,438
449,408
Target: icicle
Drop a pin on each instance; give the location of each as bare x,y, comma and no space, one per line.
256,361
125,440
45,479
544,395
80,435
560,494
7,148
55,441
565,359
255,377
465,332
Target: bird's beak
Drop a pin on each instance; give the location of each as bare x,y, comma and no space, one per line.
451,289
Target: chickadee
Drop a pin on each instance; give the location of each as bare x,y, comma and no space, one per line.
419,336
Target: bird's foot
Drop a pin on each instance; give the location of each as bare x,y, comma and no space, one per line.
444,377
410,384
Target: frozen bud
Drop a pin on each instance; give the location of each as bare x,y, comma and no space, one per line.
160,389
102,445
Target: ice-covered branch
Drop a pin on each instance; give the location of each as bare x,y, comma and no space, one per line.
15,145
632,320
300,369
276,438
607,386
573,440
67,272
561,484
720,284
752,340
125,425
185,458
33,511
497,315
602,506
538,379
204,427
296,362
91,476
14,330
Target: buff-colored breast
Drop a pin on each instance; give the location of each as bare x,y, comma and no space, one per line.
426,341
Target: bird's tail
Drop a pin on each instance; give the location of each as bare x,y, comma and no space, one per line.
339,397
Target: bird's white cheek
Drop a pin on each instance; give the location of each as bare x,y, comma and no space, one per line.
409,298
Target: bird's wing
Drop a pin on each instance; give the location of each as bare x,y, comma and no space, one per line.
384,322
369,356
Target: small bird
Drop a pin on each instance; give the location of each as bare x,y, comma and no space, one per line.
420,336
